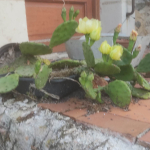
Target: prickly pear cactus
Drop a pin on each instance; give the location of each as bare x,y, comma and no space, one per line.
28,48
126,73
104,68
63,33
142,81
66,63
144,65
9,83
119,93
20,61
88,55
25,71
37,66
126,58
42,77
139,93
86,83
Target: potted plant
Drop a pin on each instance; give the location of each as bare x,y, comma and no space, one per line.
30,69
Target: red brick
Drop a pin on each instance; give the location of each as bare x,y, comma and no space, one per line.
145,140
127,127
136,111
61,107
75,113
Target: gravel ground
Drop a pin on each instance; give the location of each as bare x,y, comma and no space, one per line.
24,126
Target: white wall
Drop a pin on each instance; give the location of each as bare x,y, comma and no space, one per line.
13,26
113,12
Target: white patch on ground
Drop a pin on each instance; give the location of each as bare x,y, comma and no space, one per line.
44,130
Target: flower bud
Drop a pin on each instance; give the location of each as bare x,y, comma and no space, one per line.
133,35
105,48
95,34
46,61
118,28
116,52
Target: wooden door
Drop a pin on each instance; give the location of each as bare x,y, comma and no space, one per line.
43,16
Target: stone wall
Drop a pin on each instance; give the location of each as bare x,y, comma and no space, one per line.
142,17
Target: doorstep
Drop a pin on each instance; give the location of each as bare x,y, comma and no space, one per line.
134,125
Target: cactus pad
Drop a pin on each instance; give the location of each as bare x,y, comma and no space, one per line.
126,73
126,58
25,71
28,48
87,84
138,92
63,33
9,83
104,68
42,77
119,93
144,65
142,81
20,61
66,63
88,55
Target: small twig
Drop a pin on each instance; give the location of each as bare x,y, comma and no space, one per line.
7,74
67,79
49,94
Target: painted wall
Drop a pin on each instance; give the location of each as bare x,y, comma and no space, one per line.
13,26
113,12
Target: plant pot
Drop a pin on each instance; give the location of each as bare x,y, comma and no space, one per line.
7,46
59,87
123,42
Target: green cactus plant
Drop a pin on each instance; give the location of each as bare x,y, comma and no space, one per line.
63,14
119,93
66,63
30,48
88,55
63,33
141,81
138,92
126,58
86,83
71,13
144,65
42,77
37,66
25,71
9,83
20,61
106,69
76,14
126,73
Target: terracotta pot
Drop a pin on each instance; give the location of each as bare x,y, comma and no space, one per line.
123,42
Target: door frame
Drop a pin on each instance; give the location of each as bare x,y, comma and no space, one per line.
95,5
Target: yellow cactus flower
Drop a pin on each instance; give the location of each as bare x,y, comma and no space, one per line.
86,26
118,28
46,61
116,52
95,34
133,35
105,48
